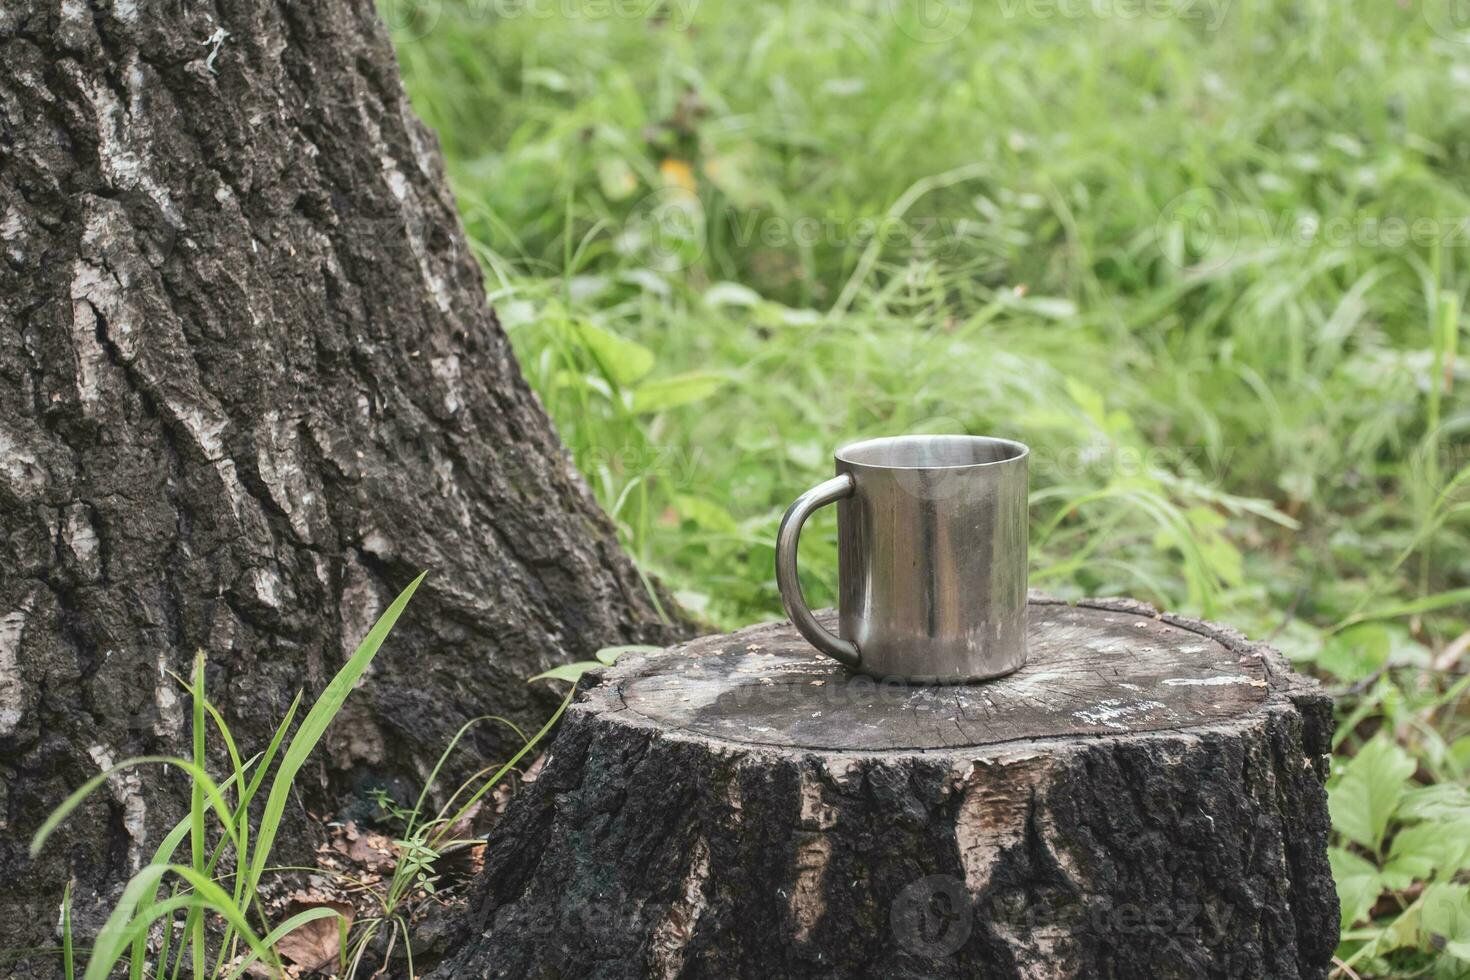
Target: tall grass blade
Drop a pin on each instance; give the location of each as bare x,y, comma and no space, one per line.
118,932
433,776
310,732
139,958
197,844
68,957
507,767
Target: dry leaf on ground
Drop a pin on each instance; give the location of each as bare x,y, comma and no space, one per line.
315,945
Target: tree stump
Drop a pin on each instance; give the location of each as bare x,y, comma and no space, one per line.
1143,799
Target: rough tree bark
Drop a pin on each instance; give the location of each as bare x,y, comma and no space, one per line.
1143,799
249,387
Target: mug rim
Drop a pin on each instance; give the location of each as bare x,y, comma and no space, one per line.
1020,451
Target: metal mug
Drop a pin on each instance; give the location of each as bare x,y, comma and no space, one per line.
931,542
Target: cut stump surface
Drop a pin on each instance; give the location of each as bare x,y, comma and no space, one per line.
1143,798
1089,672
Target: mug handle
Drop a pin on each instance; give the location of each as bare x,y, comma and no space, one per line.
834,646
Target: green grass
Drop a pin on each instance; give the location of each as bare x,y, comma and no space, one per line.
1214,276
200,889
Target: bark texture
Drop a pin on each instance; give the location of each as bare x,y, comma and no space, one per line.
1143,799
249,387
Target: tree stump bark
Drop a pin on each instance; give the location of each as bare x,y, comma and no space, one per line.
1144,798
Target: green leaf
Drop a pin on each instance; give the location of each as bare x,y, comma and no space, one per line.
136,930
568,672
705,513
1423,604
622,361
411,824
1369,790
1221,556
1460,751
1400,932
164,855
547,78
606,657
1358,884
1434,849
148,897
1087,399
1445,918
242,807
1441,801
617,179
514,761
1356,653
681,389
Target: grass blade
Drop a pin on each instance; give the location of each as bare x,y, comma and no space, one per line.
443,758
242,816
68,957
165,851
507,767
197,843
312,727
1430,603
119,931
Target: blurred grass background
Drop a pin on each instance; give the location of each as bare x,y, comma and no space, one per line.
1208,257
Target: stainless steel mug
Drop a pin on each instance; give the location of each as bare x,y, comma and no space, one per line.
931,542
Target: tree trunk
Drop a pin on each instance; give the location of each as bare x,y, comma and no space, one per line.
251,387
1143,799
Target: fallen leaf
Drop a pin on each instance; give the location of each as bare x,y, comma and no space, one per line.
373,851
315,945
